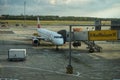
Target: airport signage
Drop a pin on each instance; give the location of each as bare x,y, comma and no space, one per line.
102,35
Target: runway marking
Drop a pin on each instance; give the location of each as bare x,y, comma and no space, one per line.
74,75
8,79
78,74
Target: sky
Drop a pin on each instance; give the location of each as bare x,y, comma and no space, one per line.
78,8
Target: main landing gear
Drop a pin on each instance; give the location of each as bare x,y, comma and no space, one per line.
93,49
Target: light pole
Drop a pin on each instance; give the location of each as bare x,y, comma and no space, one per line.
69,67
24,13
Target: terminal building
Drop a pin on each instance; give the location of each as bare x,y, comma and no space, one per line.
115,25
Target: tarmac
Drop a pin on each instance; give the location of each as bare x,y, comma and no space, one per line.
45,63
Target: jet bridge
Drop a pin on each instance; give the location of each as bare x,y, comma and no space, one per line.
88,37
78,37
83,36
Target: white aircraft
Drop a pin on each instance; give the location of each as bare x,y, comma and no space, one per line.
47,35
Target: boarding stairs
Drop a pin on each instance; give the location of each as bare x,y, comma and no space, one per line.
92,46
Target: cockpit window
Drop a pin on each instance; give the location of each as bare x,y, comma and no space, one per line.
58,37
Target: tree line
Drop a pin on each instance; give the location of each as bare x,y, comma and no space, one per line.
62,18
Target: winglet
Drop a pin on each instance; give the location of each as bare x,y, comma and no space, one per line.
38,22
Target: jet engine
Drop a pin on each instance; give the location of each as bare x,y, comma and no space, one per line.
35,42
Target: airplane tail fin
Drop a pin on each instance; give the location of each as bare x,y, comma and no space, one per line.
38,25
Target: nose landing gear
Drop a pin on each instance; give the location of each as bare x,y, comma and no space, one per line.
57,48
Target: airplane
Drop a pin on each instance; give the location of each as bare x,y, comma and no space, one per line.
47,35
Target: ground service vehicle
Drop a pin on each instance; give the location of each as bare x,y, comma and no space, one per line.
16,54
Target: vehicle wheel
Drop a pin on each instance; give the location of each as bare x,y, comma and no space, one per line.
91,50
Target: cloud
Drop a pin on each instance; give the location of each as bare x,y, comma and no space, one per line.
67,1
96,8
3,6
110,12
53,2
70,2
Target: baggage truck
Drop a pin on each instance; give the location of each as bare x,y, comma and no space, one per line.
17,54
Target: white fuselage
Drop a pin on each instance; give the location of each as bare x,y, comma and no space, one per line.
51,36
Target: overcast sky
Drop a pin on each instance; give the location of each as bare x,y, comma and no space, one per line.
84,8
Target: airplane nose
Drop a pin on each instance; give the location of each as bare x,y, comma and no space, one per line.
59,42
